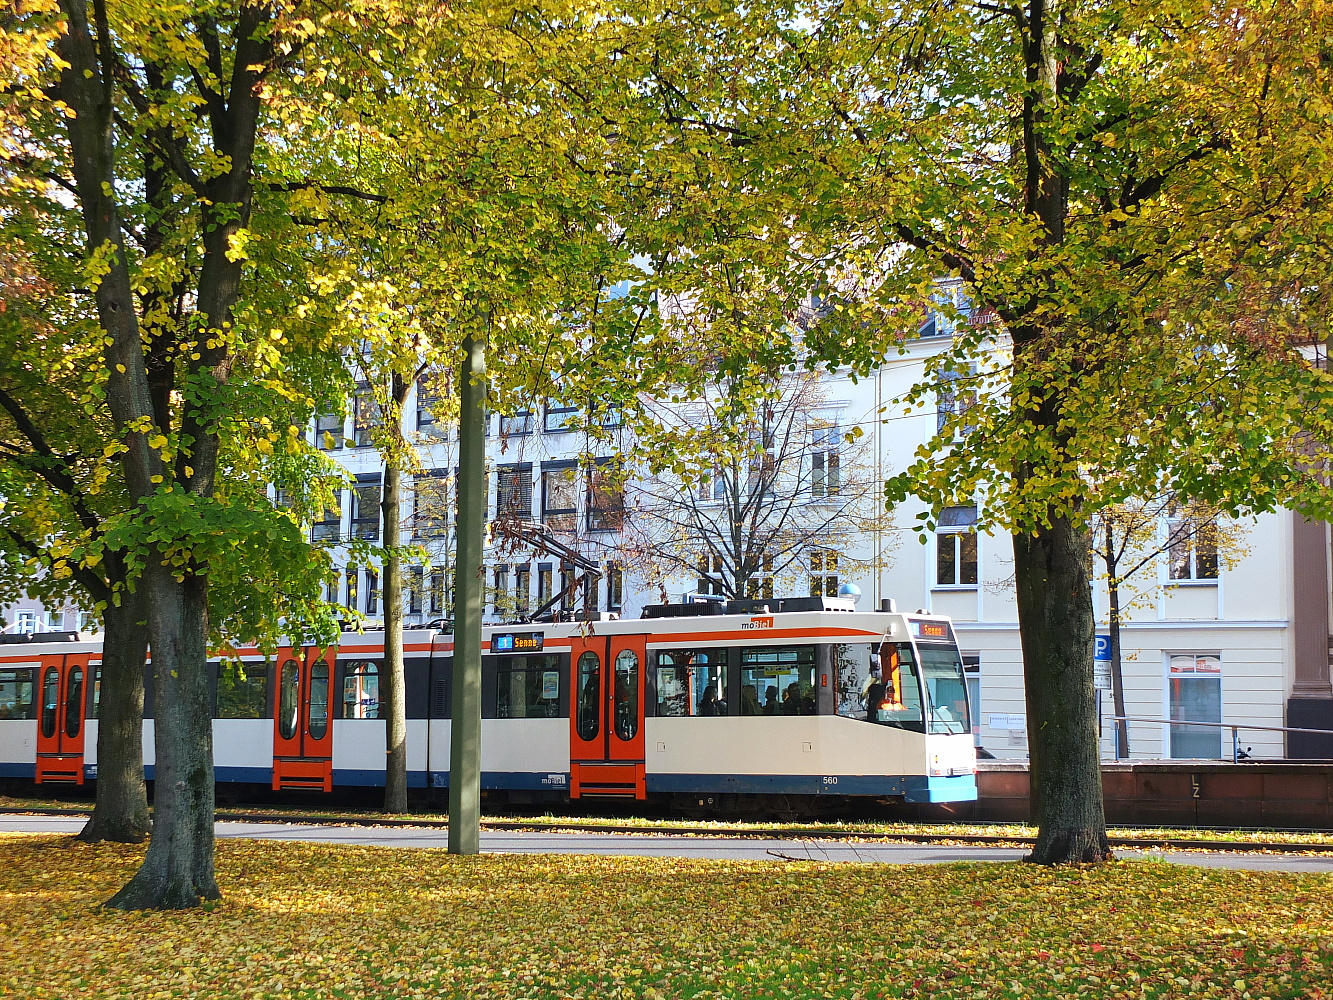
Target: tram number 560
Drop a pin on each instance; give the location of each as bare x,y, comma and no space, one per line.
830,779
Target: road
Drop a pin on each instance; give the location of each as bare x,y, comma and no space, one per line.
718,848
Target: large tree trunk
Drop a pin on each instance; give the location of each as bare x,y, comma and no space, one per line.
1056,624
177,871
121,809
395,726
469,585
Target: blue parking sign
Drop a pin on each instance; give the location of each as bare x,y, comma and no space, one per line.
1101,649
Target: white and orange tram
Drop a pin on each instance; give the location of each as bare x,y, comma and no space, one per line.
709,702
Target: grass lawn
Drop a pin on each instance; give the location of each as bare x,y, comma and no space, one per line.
303,921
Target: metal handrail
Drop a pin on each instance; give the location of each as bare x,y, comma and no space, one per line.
1235,728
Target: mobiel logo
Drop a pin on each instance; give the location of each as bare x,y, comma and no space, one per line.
758,623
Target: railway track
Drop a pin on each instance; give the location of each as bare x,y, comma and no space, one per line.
749,833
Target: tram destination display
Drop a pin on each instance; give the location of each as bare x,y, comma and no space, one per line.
516,642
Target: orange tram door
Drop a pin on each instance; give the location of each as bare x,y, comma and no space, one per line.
606,743
64,696
302,730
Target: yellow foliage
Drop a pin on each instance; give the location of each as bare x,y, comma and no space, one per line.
314,921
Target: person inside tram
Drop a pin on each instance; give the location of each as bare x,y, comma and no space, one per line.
771,700
749,700
874,698
791,699
709,705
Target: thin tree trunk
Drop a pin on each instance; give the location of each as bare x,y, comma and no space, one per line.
395,749
177,871
1056,624
1113,631
120,812
465,732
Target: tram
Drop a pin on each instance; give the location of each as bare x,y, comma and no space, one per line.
699,704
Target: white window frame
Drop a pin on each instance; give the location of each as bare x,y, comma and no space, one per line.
1193,580
950,531
1167,656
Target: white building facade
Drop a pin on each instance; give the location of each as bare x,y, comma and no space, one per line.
1240,642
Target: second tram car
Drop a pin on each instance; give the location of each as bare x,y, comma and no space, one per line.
719,703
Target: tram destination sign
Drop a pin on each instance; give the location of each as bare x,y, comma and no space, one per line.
931,630
516,642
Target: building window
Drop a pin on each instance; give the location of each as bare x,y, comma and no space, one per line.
329,431
513,492
713,486
760,585
353,574
710,575
437,581
430,504
956,548
501,590
366,416
609,416
823,572
26,621
88,621
763,462
522,588
518,423
372,592
329,526
415,585
567,588
543,583
55,621
825,473
615,586
557,417
366,509
1194,681
1191,547
955,396
426,402
606,498
972,677
558,495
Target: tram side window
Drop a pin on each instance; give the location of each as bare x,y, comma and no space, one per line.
778,680
527,687
877,682
242,691
361,690
692,682
16,695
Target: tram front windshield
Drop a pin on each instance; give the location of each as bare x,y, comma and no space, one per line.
946,690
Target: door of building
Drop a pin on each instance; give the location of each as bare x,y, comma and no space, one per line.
606,743
302,727
64,693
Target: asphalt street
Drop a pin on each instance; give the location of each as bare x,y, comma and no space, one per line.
723,848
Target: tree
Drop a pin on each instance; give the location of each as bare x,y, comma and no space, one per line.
149,117
782,492
1063,160
55,458
1131,536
